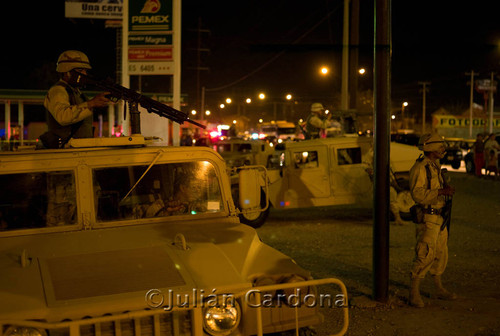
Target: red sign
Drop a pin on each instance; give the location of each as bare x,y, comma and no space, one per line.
150,54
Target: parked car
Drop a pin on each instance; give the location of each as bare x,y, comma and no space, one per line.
456,150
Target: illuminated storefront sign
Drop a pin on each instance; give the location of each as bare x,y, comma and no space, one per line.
447,121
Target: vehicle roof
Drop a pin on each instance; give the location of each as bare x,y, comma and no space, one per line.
459,139
238,140
328,141
194,151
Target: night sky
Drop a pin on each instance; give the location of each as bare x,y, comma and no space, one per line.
276,46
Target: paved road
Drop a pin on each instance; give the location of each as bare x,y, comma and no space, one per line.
337,242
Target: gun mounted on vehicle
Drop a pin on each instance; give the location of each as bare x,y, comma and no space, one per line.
134,99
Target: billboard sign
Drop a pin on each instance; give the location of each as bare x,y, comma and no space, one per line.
88,9
449,121
485,85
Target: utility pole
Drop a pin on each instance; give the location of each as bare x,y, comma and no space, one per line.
344,89
493,88
354,55
382,99
199,50
471,102
424,91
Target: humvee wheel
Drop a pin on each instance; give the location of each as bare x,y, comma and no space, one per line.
256,219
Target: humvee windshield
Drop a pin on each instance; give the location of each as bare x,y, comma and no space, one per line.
49,199
39,199
165,190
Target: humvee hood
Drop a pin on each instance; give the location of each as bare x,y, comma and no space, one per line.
67,273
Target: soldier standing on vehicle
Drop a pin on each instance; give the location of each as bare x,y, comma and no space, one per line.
69,112
316,122
429,190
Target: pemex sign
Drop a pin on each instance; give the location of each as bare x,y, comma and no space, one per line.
150,38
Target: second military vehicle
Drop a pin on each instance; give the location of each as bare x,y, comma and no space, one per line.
326,172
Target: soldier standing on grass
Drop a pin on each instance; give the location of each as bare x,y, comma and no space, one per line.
430,191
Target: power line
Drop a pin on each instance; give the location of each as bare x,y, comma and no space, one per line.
272,59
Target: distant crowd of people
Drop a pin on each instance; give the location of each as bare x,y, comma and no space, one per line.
485,151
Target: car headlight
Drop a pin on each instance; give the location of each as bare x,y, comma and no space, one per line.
222,320
24,331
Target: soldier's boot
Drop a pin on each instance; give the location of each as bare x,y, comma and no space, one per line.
415,298
441,292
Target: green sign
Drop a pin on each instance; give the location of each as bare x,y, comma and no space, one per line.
150,40
150,15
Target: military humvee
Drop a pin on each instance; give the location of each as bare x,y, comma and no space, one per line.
240,152
139,240
327,172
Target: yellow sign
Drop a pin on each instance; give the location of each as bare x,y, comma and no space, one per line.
447,121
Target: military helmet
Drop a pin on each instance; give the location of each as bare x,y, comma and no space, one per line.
430,142
72,59
317,107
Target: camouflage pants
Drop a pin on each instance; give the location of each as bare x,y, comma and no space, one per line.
431,251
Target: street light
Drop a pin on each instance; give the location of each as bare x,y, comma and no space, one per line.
262,96
228,100
248,100
324,70
403,124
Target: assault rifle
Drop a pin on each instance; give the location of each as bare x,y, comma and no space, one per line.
118,92
446,210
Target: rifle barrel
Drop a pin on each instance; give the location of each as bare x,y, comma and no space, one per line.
153,106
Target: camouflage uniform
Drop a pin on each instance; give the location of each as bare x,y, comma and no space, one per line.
431,250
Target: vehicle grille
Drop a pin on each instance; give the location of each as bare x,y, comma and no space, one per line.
165,324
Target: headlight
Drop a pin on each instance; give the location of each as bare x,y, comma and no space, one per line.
24,331
221,320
